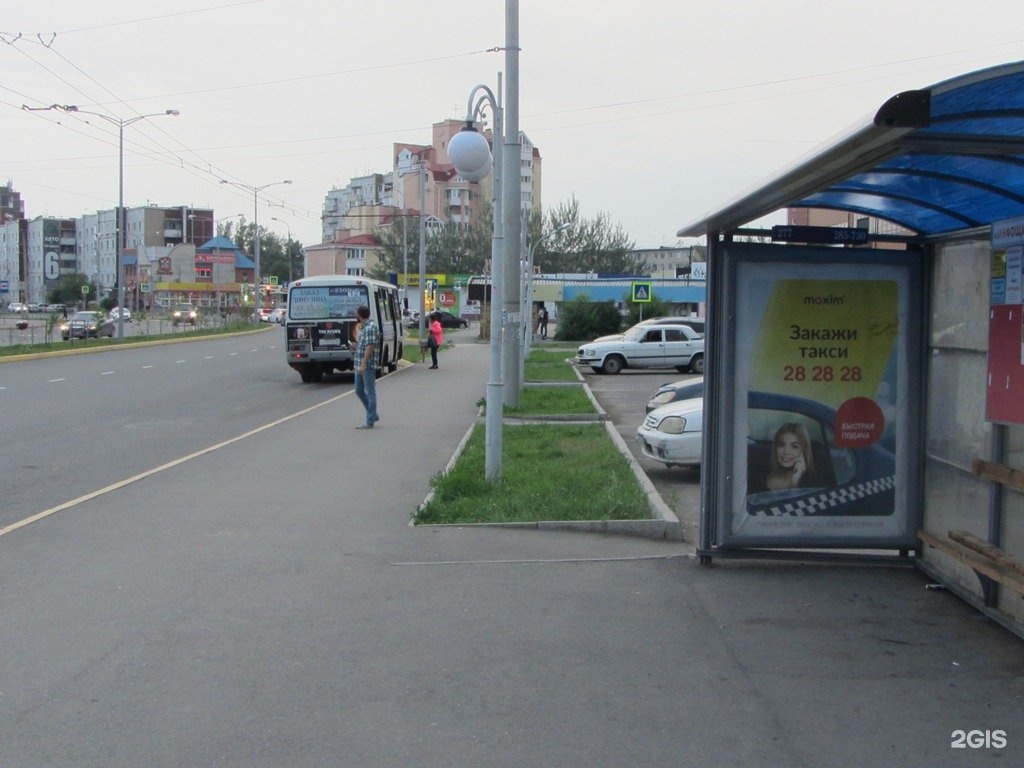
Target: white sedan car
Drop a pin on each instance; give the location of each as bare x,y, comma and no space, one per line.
671,434
651,346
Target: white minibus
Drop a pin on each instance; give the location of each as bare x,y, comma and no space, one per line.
321,319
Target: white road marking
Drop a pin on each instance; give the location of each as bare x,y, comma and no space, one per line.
106,373
169,465
148,366
54,381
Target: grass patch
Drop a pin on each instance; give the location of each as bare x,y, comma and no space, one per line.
551,400
549,472
543,365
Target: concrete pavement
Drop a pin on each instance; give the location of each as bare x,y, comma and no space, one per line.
255,608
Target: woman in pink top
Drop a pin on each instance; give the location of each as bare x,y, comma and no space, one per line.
435,339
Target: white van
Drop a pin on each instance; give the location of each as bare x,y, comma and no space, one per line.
321,319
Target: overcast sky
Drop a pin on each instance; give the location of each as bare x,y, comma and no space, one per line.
653,111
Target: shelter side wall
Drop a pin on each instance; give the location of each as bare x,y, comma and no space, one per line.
957,431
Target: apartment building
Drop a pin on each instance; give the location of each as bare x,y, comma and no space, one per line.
50,252
422,178
371,190
666,263
12,245
88,245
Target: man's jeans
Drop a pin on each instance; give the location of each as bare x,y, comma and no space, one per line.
366,391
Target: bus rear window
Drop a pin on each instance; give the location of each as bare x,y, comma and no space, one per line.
328,302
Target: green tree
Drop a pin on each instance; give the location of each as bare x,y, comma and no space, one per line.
581,245
69,290
655,308
453,249
274,251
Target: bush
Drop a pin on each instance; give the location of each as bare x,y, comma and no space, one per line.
655,308
582,319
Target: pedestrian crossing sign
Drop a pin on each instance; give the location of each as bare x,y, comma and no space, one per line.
642,293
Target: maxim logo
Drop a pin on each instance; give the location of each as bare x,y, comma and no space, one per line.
824,301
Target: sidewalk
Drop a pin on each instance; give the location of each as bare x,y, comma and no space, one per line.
290,616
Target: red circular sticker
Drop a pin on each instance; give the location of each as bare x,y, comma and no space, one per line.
859,423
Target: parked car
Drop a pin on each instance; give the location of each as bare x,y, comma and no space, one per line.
17,306
55,309
696,323
649,346
672,433
125,314
448,320
264,314
277,316
184,314
684,389
82,325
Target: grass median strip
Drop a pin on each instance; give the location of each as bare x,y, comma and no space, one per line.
550,472
551,400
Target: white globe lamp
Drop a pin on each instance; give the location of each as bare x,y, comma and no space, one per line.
470,153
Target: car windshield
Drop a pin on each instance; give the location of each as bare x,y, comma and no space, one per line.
86,316
636,333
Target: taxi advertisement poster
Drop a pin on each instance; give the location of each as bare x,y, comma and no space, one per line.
819,410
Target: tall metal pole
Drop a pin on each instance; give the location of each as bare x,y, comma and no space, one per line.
405,253
256,237
119,242
257,297
423,252
495,402
119,248
466,154
513,209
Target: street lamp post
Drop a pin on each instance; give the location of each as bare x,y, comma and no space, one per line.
256,236
513,207
119,244
471,157
287,248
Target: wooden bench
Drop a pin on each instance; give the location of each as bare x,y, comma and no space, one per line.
980,556
976,553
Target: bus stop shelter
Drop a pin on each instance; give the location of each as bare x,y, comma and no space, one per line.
865,390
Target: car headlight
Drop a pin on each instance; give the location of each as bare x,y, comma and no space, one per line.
663,397
64,327
672,425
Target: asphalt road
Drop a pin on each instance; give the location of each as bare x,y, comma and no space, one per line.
268,605
624,397
78,423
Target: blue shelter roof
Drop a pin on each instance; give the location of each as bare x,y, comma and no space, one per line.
936,161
